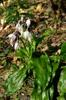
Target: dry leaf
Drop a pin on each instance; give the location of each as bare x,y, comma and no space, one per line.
39,9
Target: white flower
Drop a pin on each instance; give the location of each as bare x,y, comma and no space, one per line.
28,22
27,35
13,42
16,45
19,28
12,38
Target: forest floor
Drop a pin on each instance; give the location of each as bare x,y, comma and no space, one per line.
45,18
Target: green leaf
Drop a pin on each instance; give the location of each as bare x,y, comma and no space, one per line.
45,95
55,60
62,84
63,48
11,14
36,94
39,40
24,4
15,81
22,52
48,32
42,70
25,53
63,51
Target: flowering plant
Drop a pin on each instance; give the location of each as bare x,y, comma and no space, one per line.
46,69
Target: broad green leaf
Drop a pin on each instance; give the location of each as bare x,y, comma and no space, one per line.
45,95
15,81
22,53
62,84
25,53
63,48
36,94
63,51
42,70
32,47
55,60
60,98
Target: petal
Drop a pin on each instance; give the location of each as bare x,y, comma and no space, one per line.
11,42
16,46
27,35
28,22
10,35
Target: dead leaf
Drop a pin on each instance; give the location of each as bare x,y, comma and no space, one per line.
39,9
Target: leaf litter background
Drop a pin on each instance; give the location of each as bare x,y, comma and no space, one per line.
46,15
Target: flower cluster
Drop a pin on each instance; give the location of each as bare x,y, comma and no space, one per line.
21,30
14,39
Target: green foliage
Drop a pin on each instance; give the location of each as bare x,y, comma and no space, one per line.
44,67
62,85
11,14
41,66
23,4
63,51
1,10
15,81
55,60
47,32
44,70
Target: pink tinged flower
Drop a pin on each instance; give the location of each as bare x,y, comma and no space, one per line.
13,41
28,22
12,38
16,45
